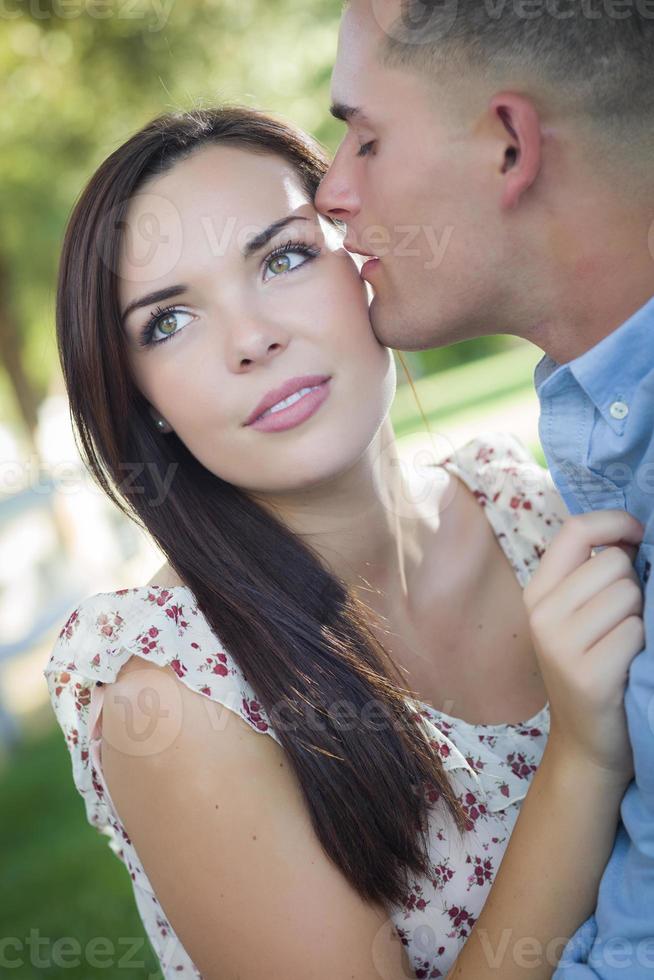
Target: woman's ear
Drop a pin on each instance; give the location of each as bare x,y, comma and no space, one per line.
522,138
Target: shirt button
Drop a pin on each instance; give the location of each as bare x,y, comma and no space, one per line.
619,410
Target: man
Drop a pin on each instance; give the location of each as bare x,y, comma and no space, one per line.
499,161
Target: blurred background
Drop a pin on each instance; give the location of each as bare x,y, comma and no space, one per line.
77,78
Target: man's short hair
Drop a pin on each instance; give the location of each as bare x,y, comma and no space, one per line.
597,54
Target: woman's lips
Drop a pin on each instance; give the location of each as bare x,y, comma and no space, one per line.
294,415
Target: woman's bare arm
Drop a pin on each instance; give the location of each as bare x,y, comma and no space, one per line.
220,826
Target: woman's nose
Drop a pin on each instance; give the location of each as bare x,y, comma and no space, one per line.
253,344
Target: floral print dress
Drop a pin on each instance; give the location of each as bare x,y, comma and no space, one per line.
490,765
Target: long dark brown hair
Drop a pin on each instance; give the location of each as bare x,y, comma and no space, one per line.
300,636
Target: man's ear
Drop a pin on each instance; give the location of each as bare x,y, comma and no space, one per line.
522,158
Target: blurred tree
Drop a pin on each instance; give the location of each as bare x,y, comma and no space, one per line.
80,76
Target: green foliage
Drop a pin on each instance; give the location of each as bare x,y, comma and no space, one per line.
60,878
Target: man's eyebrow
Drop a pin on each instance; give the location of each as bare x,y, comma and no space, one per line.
151,298
261,240
346,113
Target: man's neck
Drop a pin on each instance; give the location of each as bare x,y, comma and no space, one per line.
596,269
573,334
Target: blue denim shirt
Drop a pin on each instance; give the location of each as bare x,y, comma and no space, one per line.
597,432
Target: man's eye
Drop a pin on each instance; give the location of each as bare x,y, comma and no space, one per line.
366,148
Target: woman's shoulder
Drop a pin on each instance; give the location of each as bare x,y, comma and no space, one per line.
518,494
156,624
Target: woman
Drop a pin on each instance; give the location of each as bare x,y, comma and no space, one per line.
231,397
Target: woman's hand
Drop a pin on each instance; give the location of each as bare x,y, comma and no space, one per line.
585,613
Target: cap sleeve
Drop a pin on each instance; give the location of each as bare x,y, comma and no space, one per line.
521,500
163,626
160,625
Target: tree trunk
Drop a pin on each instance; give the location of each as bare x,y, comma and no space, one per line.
11,353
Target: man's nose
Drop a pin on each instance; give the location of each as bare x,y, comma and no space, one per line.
337,196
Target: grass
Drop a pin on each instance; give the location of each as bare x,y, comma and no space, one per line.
60,879
471,388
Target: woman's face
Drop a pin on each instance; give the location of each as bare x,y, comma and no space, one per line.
237,319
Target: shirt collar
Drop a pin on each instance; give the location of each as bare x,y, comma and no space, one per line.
612,370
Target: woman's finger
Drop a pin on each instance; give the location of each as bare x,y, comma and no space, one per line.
573,546
594,576
605,612
614,653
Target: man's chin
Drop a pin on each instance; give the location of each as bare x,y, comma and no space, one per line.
393,328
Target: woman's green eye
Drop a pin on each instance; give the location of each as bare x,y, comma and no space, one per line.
287,261
280,263
168,324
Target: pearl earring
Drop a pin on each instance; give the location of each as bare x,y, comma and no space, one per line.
161,423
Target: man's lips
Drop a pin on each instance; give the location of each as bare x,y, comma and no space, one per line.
355,250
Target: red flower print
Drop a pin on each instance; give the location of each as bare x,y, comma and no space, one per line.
482,871
70,625
462,921
414,900
178,667
519,765
82,696
252,709
107,625
472,809
425,971
97,785
530,732
485,454
175,612
442,873
147,641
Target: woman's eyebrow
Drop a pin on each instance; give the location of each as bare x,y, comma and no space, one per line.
157,297
261,240
253,245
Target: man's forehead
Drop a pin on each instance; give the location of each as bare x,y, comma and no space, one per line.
356,62
373,19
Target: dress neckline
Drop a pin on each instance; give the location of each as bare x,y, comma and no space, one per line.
488,506
534,722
